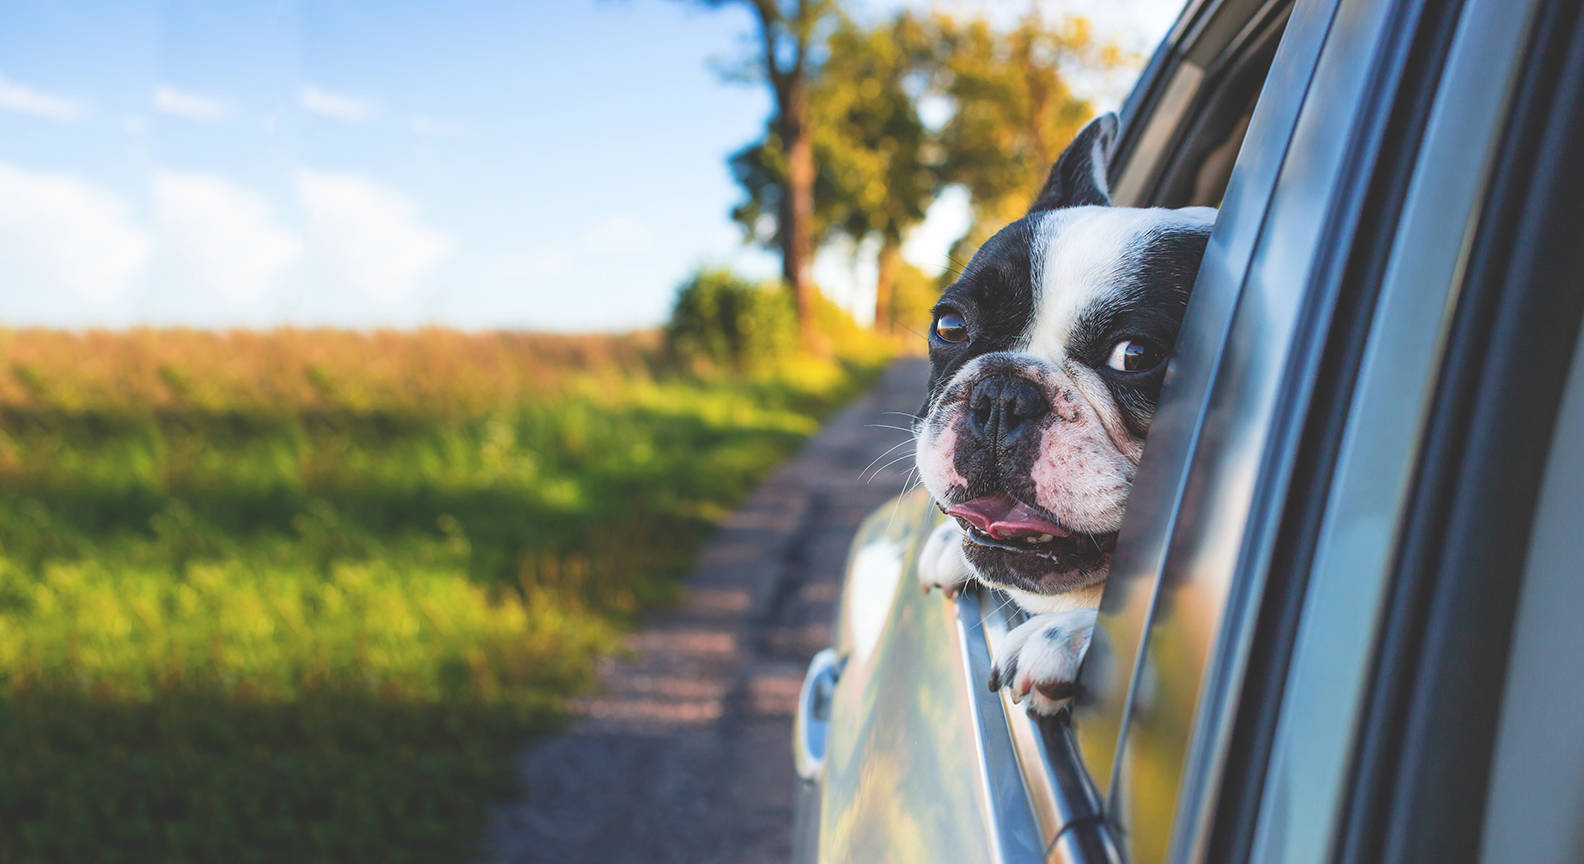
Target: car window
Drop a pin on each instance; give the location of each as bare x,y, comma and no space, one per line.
1177,149
1182,601
1130,593
1512,110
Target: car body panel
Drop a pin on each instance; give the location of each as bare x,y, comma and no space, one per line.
922,767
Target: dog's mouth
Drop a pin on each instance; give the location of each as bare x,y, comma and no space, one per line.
1000,521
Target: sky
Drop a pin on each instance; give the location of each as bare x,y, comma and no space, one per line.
546,165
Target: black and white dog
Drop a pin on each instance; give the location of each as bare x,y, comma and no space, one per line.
1047,355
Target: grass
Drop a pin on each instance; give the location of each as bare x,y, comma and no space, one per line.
302,595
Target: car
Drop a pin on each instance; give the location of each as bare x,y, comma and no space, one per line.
1340,621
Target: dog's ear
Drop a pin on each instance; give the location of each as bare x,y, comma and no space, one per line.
1079,175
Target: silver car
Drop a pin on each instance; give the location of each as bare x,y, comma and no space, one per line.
1341,622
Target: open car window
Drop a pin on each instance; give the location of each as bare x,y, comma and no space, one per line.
1183,129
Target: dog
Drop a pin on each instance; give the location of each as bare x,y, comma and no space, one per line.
1047,355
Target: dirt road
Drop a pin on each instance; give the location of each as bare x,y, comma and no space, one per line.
684,755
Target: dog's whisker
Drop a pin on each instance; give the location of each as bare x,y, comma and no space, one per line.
888,452
897,503
881,470
908,440
877,472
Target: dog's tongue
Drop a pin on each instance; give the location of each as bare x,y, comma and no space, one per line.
1002,518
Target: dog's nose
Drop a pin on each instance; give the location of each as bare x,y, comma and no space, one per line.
1005,407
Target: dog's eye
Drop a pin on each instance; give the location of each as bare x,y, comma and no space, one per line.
1130,355
951,327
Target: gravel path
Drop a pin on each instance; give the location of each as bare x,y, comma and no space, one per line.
685,754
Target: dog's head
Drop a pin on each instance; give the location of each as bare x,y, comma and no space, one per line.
1047,355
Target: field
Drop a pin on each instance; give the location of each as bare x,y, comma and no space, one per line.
301,595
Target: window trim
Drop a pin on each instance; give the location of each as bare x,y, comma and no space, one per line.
1111,671
1162,116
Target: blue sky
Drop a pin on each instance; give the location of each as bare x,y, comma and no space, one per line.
543,165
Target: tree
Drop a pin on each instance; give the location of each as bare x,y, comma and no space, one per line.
1012,109
873,169
789,32
878,151
876,166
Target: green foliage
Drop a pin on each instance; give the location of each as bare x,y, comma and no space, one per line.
1012,107
786,56
840,336
722,319
914,293
873,171
317,626
870,142
1009,111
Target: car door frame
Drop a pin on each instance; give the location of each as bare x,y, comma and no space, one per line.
1232,524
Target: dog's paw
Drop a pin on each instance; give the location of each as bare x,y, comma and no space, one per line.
1039,659
941,564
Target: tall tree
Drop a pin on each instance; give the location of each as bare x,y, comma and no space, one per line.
788,40
1013,109
874,174
877,166
879,153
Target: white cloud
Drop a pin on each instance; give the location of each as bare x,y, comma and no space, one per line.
617,231
193,106
79,237
615,234
623,252
368,237
224,235
19,97
436,126
337,106
532,266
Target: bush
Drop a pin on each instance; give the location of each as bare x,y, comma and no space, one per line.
724,320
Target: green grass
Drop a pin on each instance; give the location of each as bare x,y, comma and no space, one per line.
318,625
